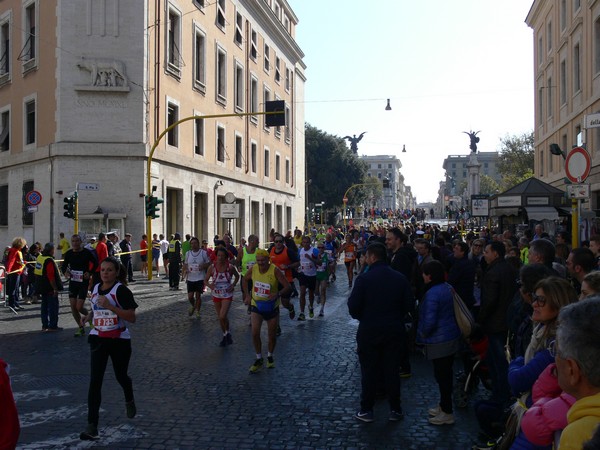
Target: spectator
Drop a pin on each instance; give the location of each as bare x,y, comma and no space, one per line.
590,285
577,356
580,262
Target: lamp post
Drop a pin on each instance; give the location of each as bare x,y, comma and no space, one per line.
345,199
556,150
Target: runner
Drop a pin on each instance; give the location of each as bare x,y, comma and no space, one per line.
113,307
322,263
285,260
349,249
331,247
78,265
194,272
219,281
264,301
307,277
246,258
156,252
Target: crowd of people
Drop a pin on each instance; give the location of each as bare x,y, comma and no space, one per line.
533,342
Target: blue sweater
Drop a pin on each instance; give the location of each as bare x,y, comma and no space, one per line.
436,316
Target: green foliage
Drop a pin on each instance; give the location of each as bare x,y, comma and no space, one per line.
332,168
487,185
515,163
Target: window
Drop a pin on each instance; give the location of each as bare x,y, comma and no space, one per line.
287,79
379,166
541,163
199,136
550,163
199,3
266,98
27,216
267,65
563,82
30,38
239,87
287,171
576,5
254,98
549,37
221,14
564,143
5,131
253,45
267,162
563,15
238,151
549,90
220,143
4,205
277,70
239,26
389,166
174,60
221,67
576,69
277,128
541,104
287,124
277,167
5,48
597,45
30,122
540,51
172,117
200,60
253,150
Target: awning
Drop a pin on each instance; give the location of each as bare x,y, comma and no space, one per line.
497,212
541,213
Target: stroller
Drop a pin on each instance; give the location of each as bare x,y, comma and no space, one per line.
467,382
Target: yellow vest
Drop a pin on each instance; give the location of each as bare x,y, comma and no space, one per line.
39,265
264,284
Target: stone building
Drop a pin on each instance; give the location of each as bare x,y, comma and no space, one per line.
88,86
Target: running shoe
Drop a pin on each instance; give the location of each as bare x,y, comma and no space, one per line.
321,314
395,416
223,342
270,362
301,317
229,339
79,332
191,311
90,433
198,314
364,416
434,411
131,409
311,313
292,312
442,419
258,364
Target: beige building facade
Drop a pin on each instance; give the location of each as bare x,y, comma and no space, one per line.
87,88
566,38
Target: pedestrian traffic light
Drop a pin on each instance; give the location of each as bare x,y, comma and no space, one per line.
152,206
70,205
275,120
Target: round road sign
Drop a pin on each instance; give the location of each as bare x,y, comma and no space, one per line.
578,165
33,198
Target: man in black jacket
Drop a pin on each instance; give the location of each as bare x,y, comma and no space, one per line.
498,287
379,300
461,275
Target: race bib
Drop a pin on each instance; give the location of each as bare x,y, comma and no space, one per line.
250,264
194,267
306,266
262,290
77,275
105,320
349,255
220,290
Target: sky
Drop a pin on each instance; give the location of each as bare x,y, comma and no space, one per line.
446,66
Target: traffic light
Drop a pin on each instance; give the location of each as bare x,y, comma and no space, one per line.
70,206
152,206
275,120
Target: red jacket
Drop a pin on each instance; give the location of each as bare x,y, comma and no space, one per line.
9,418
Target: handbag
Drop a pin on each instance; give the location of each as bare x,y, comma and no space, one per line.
463,316
513,425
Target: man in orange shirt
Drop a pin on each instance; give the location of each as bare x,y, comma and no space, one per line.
102,254
285,260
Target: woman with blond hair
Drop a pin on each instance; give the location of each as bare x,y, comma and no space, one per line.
14,268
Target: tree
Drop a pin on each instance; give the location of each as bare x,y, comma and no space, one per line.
515,163
332,168
488,185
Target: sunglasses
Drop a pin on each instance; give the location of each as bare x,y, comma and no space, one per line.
539,299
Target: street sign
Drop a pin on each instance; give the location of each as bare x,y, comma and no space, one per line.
33,198
32,209
592,120
230,211
578,165
578,190
480,205
88,187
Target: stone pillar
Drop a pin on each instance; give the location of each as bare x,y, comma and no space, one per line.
474,179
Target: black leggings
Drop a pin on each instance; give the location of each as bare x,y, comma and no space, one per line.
119,351
442,370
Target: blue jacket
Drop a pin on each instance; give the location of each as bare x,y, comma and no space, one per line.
436,316
379,300
521,376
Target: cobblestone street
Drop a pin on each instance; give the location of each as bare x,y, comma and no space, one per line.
191,393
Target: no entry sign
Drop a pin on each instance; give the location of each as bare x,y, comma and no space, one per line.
578,165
